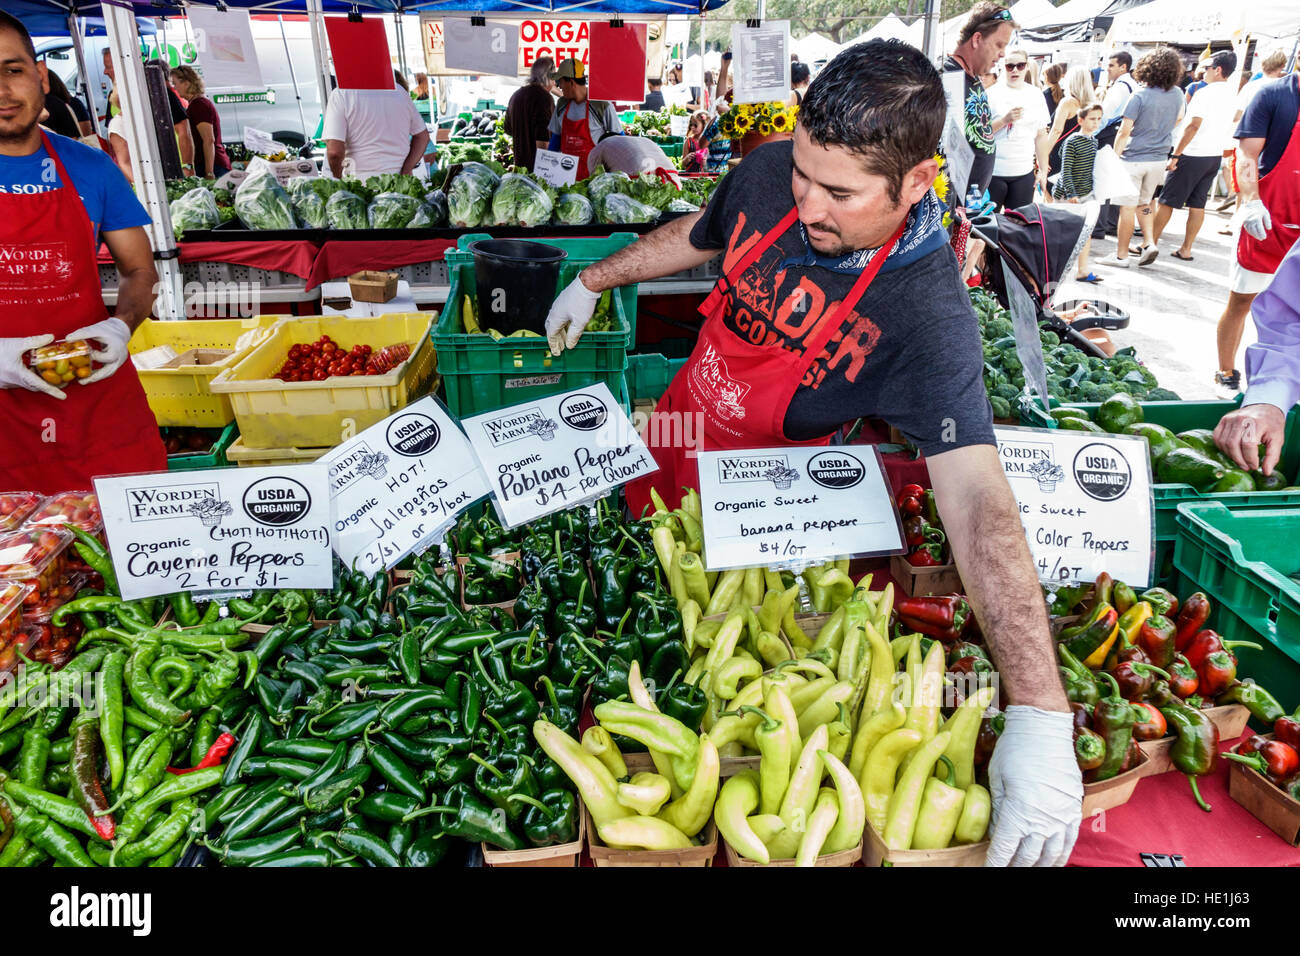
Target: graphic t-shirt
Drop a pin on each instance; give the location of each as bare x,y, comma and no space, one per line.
103,189
977,121
883,362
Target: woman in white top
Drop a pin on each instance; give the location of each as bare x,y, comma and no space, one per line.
1019,134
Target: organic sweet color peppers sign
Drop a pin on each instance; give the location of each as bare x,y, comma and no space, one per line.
795,505
1085,502
225,529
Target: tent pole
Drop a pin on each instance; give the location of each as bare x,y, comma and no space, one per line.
74,29
124,43
401,42
933,35
318,47
293,75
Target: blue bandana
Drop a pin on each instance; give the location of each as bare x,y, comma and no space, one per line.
923,234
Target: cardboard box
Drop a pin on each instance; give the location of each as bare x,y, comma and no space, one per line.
1231,720
918,581
1268,804
1112,793
373,286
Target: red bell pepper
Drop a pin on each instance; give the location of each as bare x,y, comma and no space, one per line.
1251,745
1287,730
1182,678
927,556
1217,672
1206,643
1135,679
1274,759
1156,638
216,753
1149,723
909,500
942,616
1191,618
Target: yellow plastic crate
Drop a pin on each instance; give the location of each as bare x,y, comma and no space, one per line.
180,396
276,414
237,454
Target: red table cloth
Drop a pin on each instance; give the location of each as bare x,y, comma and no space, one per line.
294,257
339,259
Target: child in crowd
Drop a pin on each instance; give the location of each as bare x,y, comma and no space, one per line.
695,147
1074,184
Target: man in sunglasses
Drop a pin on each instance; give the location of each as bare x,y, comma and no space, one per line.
1020,132
981,44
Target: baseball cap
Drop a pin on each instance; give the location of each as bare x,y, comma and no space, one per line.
569,69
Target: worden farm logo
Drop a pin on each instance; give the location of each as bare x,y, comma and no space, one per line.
583,412
276,501
512,427
740,468
412,434
836,469
168,501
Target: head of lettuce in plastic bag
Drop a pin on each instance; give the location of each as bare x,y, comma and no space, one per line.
310,208
392,211
601,184
469,199
261,202
623,209
346,210
197,209
521,201
437,200
573,209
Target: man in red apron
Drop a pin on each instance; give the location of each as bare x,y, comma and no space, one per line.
55,194
842,298
1268,173
579,122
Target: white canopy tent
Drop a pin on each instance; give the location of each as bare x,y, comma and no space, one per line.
814,47
892,28
1203,21
1026,13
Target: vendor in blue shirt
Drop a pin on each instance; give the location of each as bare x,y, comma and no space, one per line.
58,200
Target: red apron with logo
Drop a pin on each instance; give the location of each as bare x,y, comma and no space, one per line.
49,283
1279,189
737,391
575,138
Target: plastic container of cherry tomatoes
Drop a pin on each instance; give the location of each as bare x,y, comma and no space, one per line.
60,593
16,507
61,363
43,644
77,508
35,556
11,611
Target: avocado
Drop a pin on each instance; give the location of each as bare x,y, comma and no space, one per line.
1079,425
1118,412
1234,480
1187,466
1067,412
1202,439
1273,482
1160,440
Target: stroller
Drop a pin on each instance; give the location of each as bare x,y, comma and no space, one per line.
1036,246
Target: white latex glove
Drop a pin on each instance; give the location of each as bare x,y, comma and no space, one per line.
114,334
569,315
1037,790
1255,218
15,373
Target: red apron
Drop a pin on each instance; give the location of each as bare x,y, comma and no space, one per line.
575,138
739,392
53,445
1279,189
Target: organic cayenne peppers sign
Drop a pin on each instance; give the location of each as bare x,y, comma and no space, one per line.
795,505
398,484
557,452
226,529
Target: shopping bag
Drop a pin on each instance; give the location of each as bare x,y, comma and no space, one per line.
1111,181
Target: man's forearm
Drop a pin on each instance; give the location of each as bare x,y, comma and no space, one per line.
418,144
665,251
135,295
988,543
1247,176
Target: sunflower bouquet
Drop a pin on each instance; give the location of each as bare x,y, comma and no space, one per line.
762,118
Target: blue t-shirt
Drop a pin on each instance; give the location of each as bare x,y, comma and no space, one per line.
1272,115
110,203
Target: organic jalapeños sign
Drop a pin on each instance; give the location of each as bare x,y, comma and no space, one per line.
1084,499
795,505
226,529
557,452
399,483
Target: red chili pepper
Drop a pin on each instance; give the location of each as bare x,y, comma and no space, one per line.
1135,679
1287,730
1191,618
1206,643
1149,724
1182,678
914,531
1217,672
216,753
1156,638
1275,759
943,616
1251,745
927,556
909,500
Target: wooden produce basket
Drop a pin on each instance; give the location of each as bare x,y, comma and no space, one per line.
875,853
560,855
918,580
373,286
1112,793
506,557
602,855
1267,803
1231,720
842,858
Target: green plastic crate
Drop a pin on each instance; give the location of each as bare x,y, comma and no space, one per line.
216,458
649,374
481,374
1179,417
1243,560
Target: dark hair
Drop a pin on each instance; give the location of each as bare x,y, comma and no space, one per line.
1162,68
882,100
1124,58
400,80
1226,61
10,22
58,88
799,73
985,18
655,82
1089,108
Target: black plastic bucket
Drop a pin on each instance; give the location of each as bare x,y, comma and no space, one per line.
516,282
